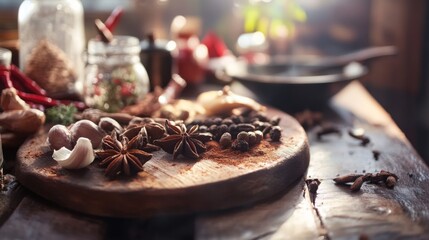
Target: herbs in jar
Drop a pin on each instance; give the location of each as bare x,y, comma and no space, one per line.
115,78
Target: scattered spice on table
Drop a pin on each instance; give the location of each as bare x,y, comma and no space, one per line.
312,184
308,118
328,130
359,134
376,154
357,180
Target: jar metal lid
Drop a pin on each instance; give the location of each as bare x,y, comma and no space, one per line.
5,57
118,45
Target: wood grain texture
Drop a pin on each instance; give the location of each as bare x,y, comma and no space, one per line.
10,197
375,211
170,186
37,219
289,213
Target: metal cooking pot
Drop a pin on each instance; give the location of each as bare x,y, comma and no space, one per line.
294,83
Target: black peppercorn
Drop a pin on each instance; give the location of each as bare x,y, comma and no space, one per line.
245,127
225,140
267,130
261,116
240,145
227,121
259,136
217,121
220,130
258,125
196,122
203,129
233,129
213,129
208,122
276,133
252,139
243,136
275,120
237,119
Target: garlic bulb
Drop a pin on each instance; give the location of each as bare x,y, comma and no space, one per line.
223,102
11,101
81,156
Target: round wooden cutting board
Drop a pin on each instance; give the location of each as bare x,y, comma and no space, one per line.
220,179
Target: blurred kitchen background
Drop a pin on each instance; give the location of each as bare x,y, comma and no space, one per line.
326,28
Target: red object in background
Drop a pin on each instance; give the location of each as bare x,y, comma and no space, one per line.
17,76
216,46
29,91
114,18
191,59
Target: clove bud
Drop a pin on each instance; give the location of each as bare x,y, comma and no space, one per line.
357,184
327,130
390,181
313,185
358,179
347,178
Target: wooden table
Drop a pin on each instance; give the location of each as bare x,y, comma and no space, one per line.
334,212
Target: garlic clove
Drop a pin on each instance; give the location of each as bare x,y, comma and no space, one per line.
87,129
60,136
224,101
109,124
81,156
11,101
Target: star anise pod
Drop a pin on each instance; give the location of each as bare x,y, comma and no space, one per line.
189,143
154,130
122,157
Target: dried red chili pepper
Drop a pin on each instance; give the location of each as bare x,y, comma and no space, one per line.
47,101
5,77
13,77
29,91
17,76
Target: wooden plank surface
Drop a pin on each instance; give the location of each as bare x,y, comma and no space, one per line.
10,197
289,213
375,212
37,219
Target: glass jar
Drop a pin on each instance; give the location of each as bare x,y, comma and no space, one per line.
5,59
52,43
115,77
